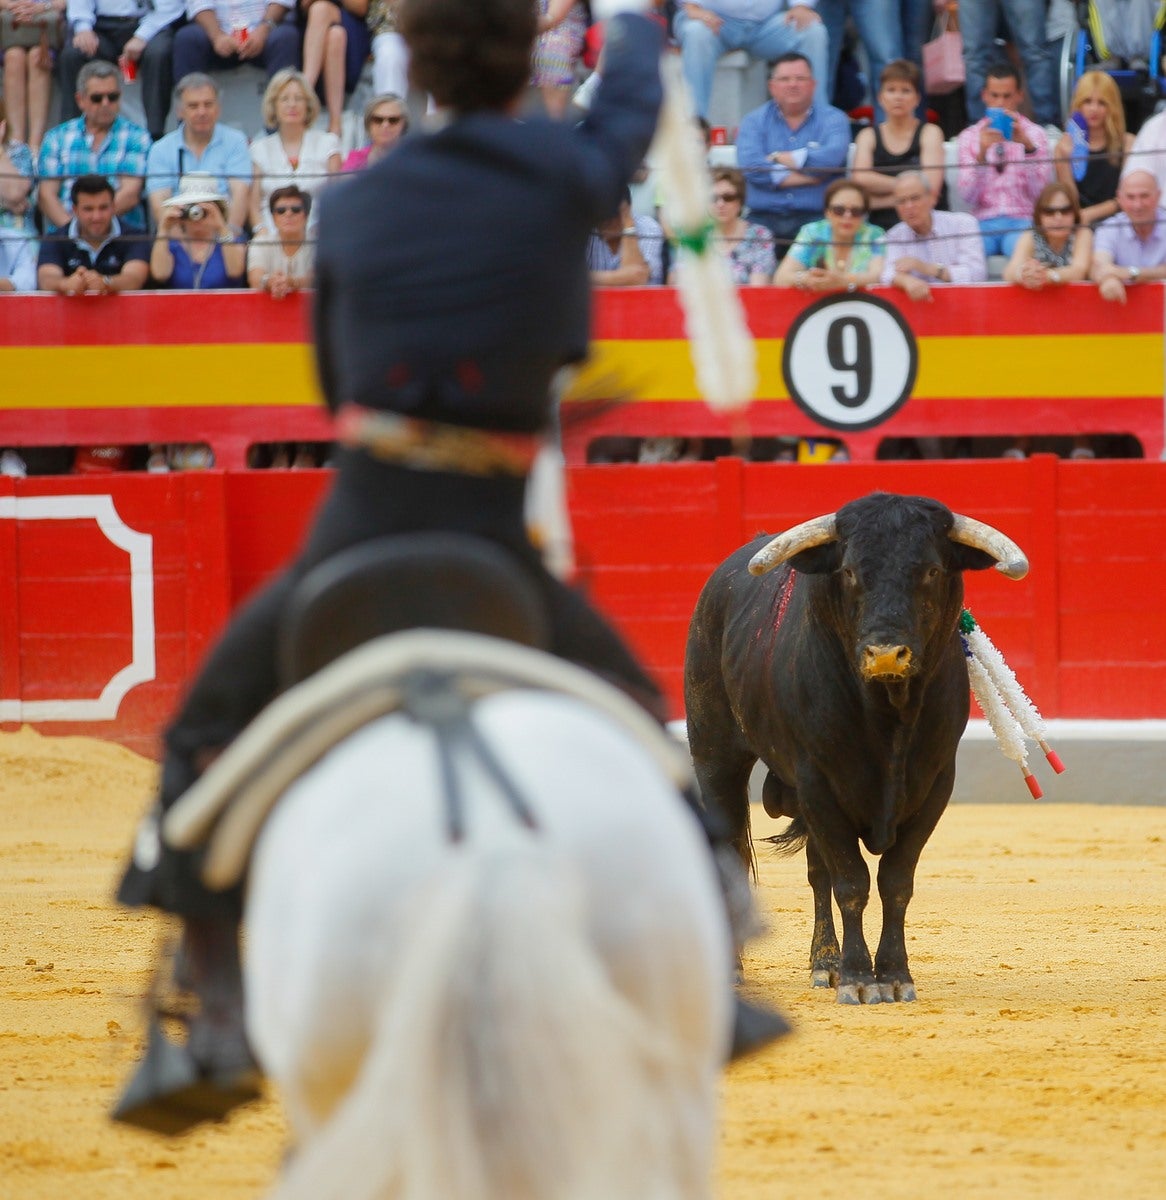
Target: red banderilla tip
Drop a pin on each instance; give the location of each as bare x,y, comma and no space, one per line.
1033,786
1053,757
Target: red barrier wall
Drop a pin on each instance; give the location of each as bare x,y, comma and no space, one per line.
117,585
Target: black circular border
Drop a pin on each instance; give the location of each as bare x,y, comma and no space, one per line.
826,302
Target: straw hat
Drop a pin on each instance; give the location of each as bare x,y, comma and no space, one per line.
199,187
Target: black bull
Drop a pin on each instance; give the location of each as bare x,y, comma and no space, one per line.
841,669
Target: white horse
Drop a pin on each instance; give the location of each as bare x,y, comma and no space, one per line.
519,1014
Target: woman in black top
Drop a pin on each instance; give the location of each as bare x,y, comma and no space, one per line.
901,142
1098,101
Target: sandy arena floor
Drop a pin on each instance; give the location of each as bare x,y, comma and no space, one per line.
1031,1065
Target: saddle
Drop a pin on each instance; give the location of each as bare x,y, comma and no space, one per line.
424,623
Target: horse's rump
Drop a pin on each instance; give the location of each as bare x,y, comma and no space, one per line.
526,1014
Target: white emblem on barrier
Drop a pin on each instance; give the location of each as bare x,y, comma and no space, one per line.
140,547
850,361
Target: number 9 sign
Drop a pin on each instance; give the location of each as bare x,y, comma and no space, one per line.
850,361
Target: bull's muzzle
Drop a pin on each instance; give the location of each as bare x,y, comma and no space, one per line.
886,664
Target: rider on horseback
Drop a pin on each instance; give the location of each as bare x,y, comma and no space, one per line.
451,286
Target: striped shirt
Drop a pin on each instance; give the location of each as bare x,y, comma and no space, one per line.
67,152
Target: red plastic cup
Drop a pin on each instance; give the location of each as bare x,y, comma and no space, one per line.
242,33
129,69
718,135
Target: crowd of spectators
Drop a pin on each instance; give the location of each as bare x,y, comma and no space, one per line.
97,204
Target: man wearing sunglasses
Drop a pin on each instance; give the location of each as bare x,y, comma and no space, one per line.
141,32
99,142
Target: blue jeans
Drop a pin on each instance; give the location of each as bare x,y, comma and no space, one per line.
879,25
700,49
1026,24
193,51
1002,233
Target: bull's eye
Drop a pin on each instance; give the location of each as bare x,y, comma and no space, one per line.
848,576
931,574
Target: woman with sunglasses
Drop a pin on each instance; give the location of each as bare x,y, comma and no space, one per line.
747,247
386,121
840,253
1057,249
285,263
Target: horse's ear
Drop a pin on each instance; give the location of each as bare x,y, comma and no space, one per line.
412,581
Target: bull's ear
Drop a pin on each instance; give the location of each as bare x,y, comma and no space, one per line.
968,558
818,560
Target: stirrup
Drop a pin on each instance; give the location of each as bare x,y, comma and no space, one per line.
170,1092
754,1027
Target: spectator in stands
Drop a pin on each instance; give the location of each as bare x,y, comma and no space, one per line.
99,142
137,31
30,35
17,261
1148,152
841,252
201,144
386,121
295,153
979,23
1131,247
224,33
286,262
879,28
790,149
390,55
16,180
748,247
929,245
96,256
899,141
626,250
1003,163
764,29
337,44
1057,249
194,247
562,26
1097,99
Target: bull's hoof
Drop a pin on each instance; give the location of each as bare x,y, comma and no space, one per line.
859,993
823,977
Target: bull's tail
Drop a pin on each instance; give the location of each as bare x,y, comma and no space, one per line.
505,1062
791,839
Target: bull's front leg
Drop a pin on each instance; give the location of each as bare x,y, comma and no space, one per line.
896,887
837,846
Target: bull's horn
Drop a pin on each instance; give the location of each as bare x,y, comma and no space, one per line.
1010,559
815,532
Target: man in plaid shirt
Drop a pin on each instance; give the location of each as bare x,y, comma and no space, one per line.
99,142
1001,176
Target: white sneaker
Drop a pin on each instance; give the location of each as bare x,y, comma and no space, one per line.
13,465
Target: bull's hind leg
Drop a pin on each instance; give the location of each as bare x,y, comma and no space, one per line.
724,789
824,954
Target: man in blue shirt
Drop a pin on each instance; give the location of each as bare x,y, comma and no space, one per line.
790,149
201,145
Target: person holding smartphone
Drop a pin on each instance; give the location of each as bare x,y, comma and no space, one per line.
1004,162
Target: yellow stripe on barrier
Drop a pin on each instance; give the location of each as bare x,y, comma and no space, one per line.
1056,366
191,376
